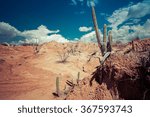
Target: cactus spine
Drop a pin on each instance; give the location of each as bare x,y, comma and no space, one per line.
57,87
104,38
96,27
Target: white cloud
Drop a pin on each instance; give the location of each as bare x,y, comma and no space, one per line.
147,25
40,35
118,17
8,32
127,33
42,31
90,37
134,12
43,39
85,29
125,22
124,34
121,34
139,10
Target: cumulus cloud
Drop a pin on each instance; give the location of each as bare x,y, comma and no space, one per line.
90,37
8,32
44,39
147,25
134,12
118,17
127,33
139,10
125,22
85,29
40,35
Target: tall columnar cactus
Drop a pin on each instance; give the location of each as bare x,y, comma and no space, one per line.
110,37
57,86
104,38
109,44
96,27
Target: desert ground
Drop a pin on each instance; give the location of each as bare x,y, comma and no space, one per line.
29,72
25,74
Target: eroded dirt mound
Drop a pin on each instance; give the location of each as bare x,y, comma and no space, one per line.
124,75
86,92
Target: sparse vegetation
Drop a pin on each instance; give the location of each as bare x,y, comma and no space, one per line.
106,47
67,51
57,86
109,43
73,49
104,39
63,56
96,29
57,93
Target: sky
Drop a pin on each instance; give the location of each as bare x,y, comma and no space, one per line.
25,21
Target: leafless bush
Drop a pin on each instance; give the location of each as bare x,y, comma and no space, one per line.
63,56
73,49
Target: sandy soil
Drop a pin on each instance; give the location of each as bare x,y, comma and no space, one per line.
25,74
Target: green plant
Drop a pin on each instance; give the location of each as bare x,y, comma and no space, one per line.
78,78
110,37
109,43
96,28
104,39
57,87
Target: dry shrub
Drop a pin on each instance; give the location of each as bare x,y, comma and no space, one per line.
63,56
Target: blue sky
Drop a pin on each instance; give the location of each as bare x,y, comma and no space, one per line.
70,19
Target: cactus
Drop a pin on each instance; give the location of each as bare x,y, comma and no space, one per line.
104,38
37,47
78,78
96,28
133,47
57,87
109,44
110,37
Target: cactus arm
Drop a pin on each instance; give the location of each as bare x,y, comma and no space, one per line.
96,28
109,44
104,38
